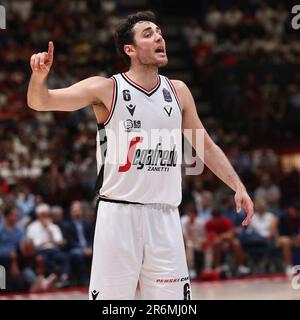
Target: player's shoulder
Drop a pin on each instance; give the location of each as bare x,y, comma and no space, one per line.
100,81
100,84
179,85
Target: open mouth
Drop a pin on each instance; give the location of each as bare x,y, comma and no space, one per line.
160,50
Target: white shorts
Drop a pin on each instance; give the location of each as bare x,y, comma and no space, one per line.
138,244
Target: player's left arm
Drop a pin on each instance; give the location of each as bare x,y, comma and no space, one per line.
214,157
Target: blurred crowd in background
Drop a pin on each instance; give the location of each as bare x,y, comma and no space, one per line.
244,66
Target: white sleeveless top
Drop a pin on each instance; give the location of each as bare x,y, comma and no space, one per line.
139,149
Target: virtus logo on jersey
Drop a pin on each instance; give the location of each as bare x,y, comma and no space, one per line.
155,159
168,110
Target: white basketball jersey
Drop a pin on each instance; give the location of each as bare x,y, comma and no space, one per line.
139,147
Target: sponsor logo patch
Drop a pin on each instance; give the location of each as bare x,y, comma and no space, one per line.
131,124
167,95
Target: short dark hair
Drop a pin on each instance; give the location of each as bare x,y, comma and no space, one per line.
124,34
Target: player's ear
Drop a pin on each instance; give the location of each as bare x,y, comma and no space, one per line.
129,49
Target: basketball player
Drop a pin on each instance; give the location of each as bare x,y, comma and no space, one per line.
138,236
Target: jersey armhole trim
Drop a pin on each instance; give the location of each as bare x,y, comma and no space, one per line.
113,100
171,85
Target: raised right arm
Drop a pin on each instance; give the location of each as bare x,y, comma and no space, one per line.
86,92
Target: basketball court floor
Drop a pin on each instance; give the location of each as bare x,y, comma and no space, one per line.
273,288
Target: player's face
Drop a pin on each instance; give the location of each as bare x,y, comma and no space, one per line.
149,45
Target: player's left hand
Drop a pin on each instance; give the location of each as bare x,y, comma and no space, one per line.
242,200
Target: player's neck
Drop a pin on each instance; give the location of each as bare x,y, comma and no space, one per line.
146,76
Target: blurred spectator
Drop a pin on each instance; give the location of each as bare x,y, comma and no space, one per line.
79,237
258,238
197,193
26,205
11,236
57,215
269,192
33,269
214,17
220,234
287,228
205,212
233,17
263,221
4,188
194,235
192,32
264,159
47,239
24,270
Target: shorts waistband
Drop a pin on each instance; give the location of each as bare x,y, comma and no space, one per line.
155,205
118,201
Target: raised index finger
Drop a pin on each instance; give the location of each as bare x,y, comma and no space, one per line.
50,49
